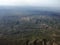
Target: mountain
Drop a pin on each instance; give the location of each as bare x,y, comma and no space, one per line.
18,23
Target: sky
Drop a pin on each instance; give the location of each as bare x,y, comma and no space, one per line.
46,3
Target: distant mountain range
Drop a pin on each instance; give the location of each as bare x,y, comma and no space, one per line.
13,10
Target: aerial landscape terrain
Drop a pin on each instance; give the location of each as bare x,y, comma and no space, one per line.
29,26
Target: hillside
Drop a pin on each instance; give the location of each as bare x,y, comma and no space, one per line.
17,24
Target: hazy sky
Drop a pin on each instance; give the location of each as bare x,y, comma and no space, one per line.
51,3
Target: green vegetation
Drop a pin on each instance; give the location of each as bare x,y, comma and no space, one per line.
19,29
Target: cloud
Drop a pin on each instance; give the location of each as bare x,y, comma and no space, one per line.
55,3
